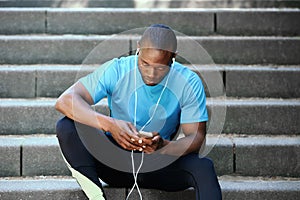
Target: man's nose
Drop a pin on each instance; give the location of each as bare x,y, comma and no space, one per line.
152,72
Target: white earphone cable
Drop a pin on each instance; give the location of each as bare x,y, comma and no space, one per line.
135,174
158,101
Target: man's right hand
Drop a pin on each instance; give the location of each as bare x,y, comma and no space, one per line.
125,134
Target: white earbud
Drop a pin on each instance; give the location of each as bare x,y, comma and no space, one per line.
137,51
173,61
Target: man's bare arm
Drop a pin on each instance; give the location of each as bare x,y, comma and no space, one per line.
76,103
194,137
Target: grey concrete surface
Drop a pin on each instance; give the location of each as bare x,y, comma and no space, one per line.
263,81
17,21
237,50
261,116
17,82
243,116
260,155
158,194
260,189
28,116
258,22
66,49
201,21
10,156
53,81
264,156
66,188
114,21
42,156
68,3
241,80
254,156
49,188
77,49
220,150
252,50
43,116
153,4
39,80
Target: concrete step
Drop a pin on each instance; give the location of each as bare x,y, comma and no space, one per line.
36,155
31,81
260,155
113,21
77,49
61,188
28,116
153,4
243,116
262,81
39,188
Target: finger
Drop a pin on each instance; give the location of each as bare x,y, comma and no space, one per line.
133,129
149,149
133,139
133,136
156,139
128,134
147,141
155,134
129,146
126,141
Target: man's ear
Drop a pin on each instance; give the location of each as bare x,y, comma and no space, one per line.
175,54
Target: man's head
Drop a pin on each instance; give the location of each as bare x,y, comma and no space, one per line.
157,48
159,36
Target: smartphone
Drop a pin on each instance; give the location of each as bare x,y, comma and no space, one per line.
145,134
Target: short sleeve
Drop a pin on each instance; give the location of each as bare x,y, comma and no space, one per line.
100,83
193,108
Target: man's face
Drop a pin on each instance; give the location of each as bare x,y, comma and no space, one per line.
153,65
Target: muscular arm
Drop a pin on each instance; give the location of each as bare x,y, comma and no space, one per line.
76,103
194,137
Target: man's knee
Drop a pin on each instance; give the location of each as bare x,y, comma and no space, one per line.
207,163
64,127
194,164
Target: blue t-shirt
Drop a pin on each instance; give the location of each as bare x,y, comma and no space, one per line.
183,100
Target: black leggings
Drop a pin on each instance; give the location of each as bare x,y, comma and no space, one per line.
187,171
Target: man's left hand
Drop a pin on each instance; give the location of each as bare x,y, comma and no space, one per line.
154,143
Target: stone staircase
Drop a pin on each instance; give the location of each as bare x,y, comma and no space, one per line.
255,51
153,3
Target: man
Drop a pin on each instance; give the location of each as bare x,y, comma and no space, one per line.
146,92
